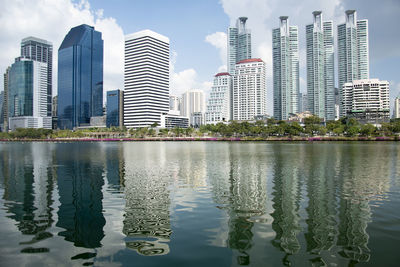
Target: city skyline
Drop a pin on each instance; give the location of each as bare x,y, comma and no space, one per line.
196,70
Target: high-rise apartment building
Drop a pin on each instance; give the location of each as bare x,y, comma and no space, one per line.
396,108
239,44
219,102
146,78
285,55
42,51
353,51
27,95
80,77
114,110
320,68
367,100
249,89
193,106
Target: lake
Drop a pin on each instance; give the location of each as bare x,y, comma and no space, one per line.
200,204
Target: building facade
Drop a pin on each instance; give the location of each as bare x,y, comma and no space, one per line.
285,55
219,103
27,95
249,89
353,52
175,103
42,51
367,100
396,108
173,120
193,101
320,68
239,44
115,107
4,112
146,78
80,77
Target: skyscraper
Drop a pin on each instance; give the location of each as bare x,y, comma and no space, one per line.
285,55
320,68
146,78
27,95
80,77
42,51
249,89
353,52
239,44
219,102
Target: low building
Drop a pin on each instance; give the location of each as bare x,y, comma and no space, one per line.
366,100
30,122
173,119
196,119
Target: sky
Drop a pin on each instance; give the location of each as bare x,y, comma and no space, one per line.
197,33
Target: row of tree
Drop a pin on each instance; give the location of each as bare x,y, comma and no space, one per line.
312,126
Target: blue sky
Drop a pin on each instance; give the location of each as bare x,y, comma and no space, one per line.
197,32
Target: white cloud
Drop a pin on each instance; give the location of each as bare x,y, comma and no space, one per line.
185,80
51,20
218,39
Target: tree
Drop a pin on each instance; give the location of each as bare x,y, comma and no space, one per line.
367,129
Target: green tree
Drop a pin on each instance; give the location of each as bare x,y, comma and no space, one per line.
367,129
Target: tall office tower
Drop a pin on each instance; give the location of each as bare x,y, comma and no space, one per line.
249,89
193,105
42,51
27,95
175,103
396,108
146,78
219,102
5,112
353,52
115,107
285,50
367,100
320,68
80,77
239,44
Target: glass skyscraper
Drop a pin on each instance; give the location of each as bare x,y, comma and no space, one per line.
42,51
239,44
80,77
114,108
285,55
353,50
320,68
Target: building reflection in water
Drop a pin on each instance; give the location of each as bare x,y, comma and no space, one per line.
28,186
243,195
147,216
286,200
80,182
363,176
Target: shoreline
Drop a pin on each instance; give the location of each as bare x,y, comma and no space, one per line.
211,139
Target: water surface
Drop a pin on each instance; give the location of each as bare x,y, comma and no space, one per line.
200,204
